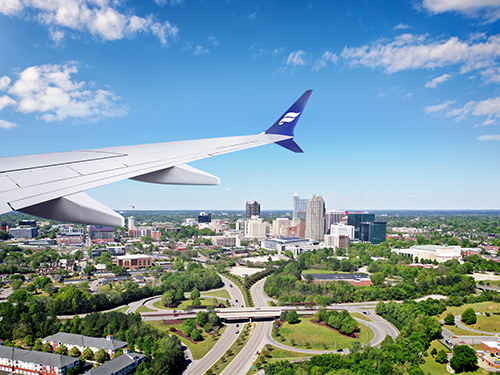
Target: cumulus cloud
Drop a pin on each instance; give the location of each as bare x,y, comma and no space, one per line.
4,82
328,57
169,2
438,107
408,52
100,18
7,125
492,137
489,108
296,58
401,26
49,91
438,80
489,10
199,50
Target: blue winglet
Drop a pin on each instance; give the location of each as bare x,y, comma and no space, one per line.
285,125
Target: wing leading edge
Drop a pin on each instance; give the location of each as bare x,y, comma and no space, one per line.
52,185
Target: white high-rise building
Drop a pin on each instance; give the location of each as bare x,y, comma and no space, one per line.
256,228
315,218
332,217
341,229
299,207
132,222
280,225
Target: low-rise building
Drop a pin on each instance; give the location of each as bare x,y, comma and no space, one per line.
432,252
121,365
134,261
33,362
70,340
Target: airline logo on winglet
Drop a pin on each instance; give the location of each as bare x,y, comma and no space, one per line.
289,117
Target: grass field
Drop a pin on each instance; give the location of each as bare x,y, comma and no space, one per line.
478,307
361,316
217,294
144,309
430,366
488,324
197,350
462,332
122,309
316,335
278,354
183,305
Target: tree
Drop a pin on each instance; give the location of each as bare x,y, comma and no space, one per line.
202,318
469,316
377,278
47,348
168,297
434,352
195,294
355,346
87,353
441,357
75,352
292,317
63,350
464,358
101,356
196,335
449,319
38,345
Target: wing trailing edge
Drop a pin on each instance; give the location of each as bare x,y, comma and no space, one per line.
179,175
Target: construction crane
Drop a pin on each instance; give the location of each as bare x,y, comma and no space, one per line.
133,211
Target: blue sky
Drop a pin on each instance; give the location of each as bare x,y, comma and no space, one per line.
405,111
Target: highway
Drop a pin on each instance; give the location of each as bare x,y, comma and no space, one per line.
227,339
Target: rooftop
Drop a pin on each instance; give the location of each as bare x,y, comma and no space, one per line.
41,358
94,342
116,364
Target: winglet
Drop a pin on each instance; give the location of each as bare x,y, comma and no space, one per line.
285,125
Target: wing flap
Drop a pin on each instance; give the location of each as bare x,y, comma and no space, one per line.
41,176
179,175
76,208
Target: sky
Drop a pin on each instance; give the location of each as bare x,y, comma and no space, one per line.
405,111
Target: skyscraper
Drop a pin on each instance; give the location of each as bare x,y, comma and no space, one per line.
332,217
374,232
315,218
356,218
253,209
299,207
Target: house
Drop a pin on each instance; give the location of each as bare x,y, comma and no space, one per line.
110,345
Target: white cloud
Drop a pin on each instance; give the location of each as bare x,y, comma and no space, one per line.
401,26
409,52
438,80
438,107
100,18
213,40
489,108
7,125
169,2
49,91
492,137
325,59
5,101
259,51
296,58
199,50
253,16
489,10
4,82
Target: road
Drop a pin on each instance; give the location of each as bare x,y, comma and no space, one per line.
227,339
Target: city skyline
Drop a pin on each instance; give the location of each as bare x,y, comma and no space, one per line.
404,113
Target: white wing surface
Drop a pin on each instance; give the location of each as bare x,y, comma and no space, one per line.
52,185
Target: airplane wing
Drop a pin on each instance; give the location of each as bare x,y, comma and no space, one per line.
52,185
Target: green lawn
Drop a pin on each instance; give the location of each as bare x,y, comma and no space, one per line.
144,309
217,294
278,354
478,307
361,316
197,350
488,324
183,305
462,332
316,336
122,309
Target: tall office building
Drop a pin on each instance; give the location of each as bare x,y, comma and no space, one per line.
356,218
332,217
315,218
374,232
203,217
253,209
279,226
299,207
132,222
